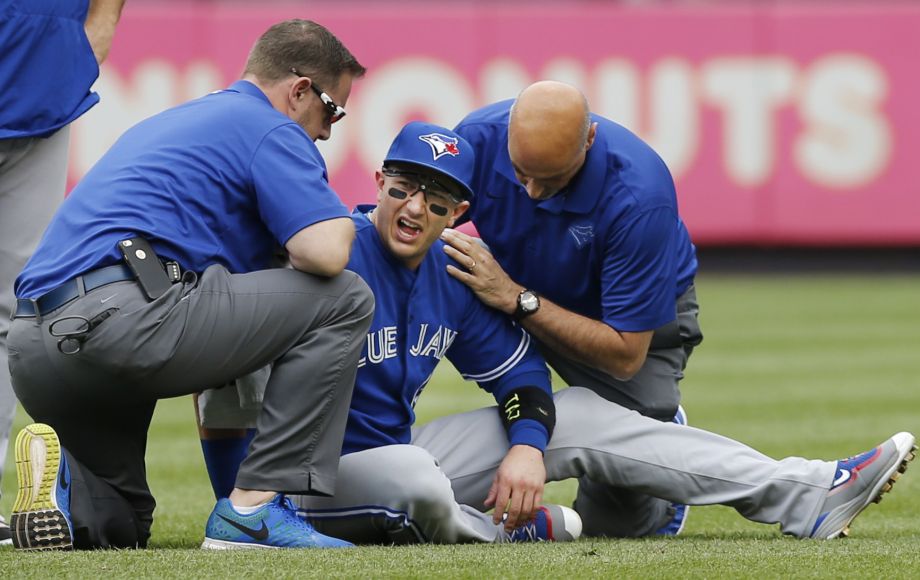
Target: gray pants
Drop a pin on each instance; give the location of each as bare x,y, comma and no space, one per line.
33,176
653,392
201,334
434,489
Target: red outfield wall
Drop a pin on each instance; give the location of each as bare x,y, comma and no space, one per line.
786,124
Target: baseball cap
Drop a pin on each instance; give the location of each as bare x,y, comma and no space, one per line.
437,150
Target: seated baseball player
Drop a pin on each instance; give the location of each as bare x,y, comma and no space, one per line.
434,483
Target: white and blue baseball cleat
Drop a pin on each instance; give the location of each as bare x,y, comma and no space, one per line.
552,523
273,525
859,481
41,514
679,510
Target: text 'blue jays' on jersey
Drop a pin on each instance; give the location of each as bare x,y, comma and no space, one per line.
420,317
610,246
223,179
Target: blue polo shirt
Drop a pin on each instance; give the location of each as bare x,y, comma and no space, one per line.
222,179
47,66
610,246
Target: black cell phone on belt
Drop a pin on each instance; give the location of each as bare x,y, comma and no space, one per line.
146,266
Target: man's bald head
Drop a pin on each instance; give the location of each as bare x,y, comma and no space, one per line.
549,133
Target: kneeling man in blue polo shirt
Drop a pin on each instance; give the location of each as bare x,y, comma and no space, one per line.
589,254
153,281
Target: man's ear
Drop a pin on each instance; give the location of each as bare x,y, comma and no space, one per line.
378,176
592,133
298,91
458,211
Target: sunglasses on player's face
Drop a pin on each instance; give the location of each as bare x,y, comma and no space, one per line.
406,184
334,112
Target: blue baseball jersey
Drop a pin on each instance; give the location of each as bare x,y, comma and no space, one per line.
420,317
47,66
221,180
610,246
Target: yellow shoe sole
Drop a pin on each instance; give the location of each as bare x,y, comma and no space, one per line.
38,522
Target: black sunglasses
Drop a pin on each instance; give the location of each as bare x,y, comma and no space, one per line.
333,111
440,196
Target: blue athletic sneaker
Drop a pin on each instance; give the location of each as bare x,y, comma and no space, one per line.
677,522
41,514
274,525
552,523
861,480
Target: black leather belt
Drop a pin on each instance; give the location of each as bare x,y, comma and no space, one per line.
70,290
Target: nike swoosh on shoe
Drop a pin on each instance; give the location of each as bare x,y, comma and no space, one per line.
261,534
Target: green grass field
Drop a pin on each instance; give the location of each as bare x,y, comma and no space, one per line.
820,366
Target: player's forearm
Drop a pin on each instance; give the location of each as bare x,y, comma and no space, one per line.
101,19
588,341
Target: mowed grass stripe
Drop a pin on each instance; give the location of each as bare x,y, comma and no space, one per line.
822,366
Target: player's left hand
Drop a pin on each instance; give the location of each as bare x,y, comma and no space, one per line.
518,486
482,273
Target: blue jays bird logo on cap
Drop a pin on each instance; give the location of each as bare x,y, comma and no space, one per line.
441,145
435,148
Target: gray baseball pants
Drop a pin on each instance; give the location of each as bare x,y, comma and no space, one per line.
204,332
433,490
608,510
33,176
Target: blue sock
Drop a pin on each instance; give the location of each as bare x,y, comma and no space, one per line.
223,457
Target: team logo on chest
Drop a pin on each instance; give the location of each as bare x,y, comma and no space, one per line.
441,145
435,345
582,234
383,344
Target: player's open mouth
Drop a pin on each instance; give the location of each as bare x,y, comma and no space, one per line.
407,230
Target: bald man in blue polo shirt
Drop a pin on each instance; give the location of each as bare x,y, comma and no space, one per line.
590,256
195,199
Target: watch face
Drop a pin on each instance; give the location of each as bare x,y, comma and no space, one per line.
529,302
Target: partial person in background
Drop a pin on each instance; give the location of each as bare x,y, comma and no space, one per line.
51,51
589,254
153,280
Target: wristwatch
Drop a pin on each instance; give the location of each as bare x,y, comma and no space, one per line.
527,303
